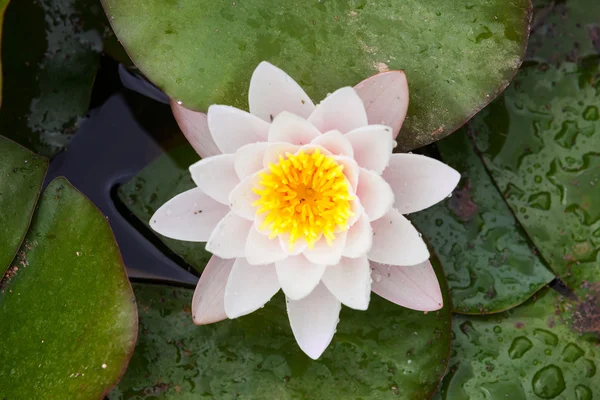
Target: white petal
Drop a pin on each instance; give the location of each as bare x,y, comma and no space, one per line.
350,282
396,241
343,111
298,276
419,182
229,237
232,128
299,246
374,193
385,97
261,250
208,302
249,287
216,176
274,150
290,128
372,146
194,126
324,254
350,170
314,319
273,91
190,215
242,197
415,287
336,143
249,159
359,238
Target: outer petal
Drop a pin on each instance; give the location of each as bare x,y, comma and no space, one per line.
385,97
350,282
273,91
396,241
194,126
242,197
314,319
336,143
249,287
374,193
190,216
216,176
372,146
298,276
290,128
343,111
260,250
232,128
324,254
414,287
419,182
208,301
249,159
359,239
228,239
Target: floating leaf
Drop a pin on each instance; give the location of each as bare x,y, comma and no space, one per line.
67,311
457,57
490,263
21,177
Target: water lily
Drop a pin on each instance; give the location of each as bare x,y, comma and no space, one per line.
307,199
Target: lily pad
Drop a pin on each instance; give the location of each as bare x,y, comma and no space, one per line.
385,352
457,57
489,261
21,177
69,319
541,143
538,350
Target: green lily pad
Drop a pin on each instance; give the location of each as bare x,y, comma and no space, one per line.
541,143
489,261
457,55
538,350
21,176
3,4
385,352
69,319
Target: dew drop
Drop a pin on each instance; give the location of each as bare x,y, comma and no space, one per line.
583,393
572,353
548,382
169,212
519,347
377,278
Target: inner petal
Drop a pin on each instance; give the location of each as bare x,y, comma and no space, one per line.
304,196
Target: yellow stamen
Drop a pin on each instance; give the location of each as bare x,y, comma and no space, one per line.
305,196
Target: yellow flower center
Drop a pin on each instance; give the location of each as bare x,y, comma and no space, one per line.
305,196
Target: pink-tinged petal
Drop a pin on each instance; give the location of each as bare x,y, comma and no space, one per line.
190,216
396,241
350,282
336,143
374,193
249,159
274,150
216,176
314,319
242,197
228,239
372,146
232,128
298,276
260,250
194,126
419,182
351,169
249,287
290,128
324,254
385,97
359,239
299,245
343,111
273,91
415,287
208,304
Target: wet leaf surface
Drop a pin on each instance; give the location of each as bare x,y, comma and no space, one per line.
69,319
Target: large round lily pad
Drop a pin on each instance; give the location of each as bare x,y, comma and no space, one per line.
457,55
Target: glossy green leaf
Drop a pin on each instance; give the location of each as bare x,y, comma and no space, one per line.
3,4
21,177
457,55
384,352
541,143
490,263
539,350
68,319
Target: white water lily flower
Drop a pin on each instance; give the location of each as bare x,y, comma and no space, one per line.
308,199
